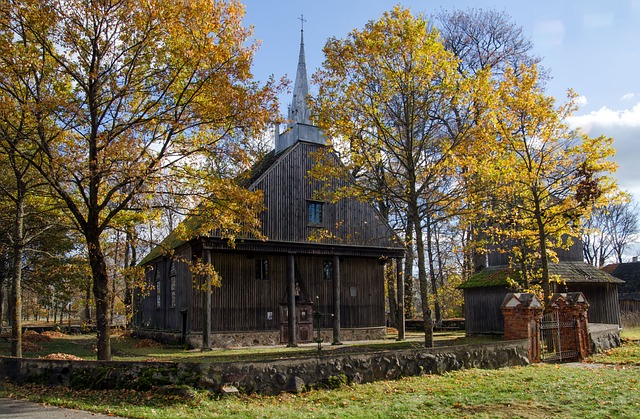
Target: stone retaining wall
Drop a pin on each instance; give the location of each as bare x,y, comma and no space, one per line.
604,337
322,369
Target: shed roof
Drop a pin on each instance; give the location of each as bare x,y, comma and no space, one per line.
569,271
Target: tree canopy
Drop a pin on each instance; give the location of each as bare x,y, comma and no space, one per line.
142,95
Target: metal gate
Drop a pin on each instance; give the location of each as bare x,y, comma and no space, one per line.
558,339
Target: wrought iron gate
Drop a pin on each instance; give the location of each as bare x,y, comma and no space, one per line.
558,339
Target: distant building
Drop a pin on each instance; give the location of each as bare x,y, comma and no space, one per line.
269,288
629,292
485,291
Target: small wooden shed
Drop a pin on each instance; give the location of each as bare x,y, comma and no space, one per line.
485,291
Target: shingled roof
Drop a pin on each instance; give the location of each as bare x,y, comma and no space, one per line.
630,274
569,271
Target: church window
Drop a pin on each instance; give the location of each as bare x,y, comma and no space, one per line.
327,270
262,269
172,285
158,293
315,212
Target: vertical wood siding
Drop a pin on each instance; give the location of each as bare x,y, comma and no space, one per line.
603,301
242,303
482,312
287,190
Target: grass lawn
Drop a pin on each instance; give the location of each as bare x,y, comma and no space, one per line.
590,390
126,348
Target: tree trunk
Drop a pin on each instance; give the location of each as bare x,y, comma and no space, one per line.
16,277
391,293
432,271
87,303
112,301
101,295
3,293
542,237
127,288
408,273
422,278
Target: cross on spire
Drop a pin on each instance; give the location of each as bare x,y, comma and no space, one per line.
302,20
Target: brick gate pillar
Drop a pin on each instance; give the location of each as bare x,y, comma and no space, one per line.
522,313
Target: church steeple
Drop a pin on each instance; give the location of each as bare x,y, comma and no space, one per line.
299,126
298,110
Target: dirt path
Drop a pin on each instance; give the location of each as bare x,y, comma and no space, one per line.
11,408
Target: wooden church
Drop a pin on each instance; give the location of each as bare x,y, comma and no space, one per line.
271,289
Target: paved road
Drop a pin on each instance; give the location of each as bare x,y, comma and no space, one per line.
10,408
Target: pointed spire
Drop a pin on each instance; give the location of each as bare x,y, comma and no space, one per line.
298,111
299,127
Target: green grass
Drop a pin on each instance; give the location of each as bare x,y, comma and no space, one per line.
608,388
627,354
535,392
632,333
125,348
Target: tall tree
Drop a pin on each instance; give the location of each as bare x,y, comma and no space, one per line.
622,226
390,95
596,242
540,178
158,92
485,40
610,230
25,81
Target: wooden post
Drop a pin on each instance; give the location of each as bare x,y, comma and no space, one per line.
336,300
400,303
291,301
206,304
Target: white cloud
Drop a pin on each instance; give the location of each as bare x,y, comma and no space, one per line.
581,101
627,97
624,126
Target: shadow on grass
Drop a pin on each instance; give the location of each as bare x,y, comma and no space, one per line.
127,348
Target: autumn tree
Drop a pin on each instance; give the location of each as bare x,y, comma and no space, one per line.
26,79
540,178
483,40
157,92
610,230
390,97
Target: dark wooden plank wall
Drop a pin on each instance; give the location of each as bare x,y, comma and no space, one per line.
242,302
497,258
287,190
165,317
482,312
629,306
603,301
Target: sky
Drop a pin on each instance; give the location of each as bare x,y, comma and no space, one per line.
590,46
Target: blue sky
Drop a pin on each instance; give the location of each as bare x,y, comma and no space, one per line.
590,46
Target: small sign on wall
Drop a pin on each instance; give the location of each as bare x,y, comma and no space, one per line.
269,315
353,291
